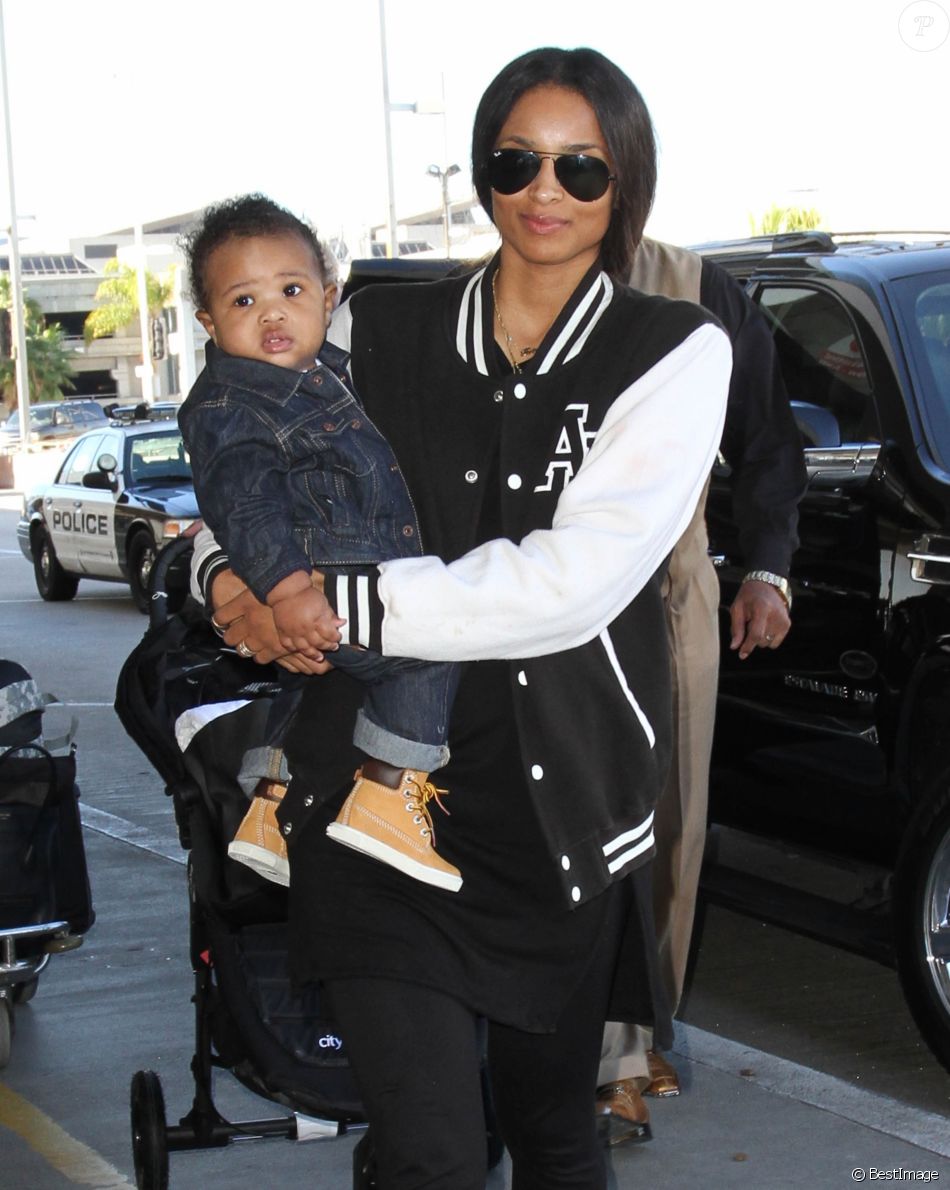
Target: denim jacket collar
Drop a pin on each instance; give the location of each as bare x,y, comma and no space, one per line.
224,367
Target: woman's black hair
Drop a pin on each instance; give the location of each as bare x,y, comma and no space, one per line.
244,216
624,121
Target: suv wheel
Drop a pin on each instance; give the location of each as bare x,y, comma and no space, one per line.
141,560
52,582
922,921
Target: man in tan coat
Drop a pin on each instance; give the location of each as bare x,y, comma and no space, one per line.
763,448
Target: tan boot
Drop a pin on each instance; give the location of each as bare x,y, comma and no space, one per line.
395,826
258,843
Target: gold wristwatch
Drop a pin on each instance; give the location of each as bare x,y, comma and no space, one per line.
774,580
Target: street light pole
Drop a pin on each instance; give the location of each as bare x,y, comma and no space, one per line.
443,175
141,278
390,182
17,327
420,109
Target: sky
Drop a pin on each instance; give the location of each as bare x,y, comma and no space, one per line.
126,110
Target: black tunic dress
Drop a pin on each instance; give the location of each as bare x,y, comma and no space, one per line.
505,944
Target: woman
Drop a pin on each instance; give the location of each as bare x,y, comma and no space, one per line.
555,430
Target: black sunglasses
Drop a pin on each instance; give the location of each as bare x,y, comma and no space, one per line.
584,178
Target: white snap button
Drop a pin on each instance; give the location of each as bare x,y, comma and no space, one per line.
575,894
514,482
537,772
471,476
566,862
499,396
288,827
308,800
520,391
522,678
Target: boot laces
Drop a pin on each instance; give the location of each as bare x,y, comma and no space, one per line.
418,795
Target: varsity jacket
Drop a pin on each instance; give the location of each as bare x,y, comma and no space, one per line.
597,451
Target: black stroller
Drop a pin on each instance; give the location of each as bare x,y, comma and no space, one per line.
247,1017
45,902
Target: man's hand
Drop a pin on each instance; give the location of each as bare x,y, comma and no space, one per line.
759,617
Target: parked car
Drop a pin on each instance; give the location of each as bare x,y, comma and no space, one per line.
143,411
840,739
54,420
119,494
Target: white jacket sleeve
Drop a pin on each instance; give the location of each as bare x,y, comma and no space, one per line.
615,522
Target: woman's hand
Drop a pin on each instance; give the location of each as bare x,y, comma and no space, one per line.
244,620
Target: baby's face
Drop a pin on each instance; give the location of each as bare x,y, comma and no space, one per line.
267,300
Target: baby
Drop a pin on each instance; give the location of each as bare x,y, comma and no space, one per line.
291,475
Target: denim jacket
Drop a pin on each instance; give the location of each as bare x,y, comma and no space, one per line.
290,472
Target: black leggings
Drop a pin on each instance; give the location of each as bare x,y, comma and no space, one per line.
416,1054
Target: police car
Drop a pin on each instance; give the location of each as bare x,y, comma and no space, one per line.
120,493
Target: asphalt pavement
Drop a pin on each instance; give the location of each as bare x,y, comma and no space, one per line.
761,1106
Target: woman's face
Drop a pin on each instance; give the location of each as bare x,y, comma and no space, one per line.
543,224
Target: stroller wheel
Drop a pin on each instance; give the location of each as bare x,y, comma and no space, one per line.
23,993
6,1030
149,1136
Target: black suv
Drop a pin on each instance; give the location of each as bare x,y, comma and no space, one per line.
841,738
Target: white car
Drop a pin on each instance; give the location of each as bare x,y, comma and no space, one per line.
120,493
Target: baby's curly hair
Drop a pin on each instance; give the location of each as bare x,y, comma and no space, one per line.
245,215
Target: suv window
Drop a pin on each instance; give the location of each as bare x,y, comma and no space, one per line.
821,357
924,305
89,415
40,417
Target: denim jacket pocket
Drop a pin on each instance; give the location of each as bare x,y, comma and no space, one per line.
343,496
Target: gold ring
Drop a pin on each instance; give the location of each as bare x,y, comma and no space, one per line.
244,651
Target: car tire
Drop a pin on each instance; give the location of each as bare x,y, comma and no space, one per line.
142,551
921,909
53,583
6,1031
23,993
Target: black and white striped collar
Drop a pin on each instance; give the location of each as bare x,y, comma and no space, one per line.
475,330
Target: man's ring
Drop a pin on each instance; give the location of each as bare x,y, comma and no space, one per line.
219,628
244,651
769,638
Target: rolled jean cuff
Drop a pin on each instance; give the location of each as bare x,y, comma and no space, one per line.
262,764
394,749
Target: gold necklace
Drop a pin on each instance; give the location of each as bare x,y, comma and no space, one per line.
524,352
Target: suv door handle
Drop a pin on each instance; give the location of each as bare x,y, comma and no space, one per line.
930,560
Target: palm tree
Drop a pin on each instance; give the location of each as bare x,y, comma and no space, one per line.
48,364
119,294
778,219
